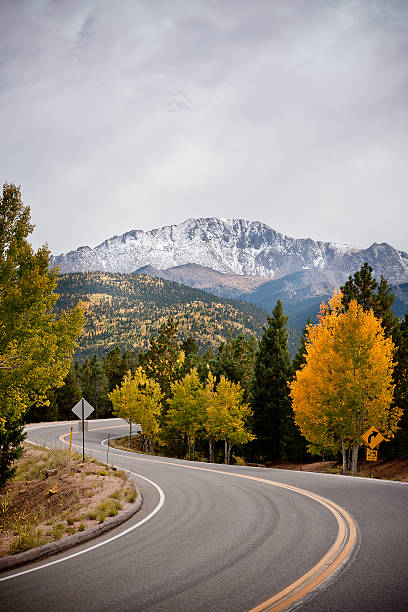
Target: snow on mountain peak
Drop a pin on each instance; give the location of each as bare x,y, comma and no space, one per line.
234,246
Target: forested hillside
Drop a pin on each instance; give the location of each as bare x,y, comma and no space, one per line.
127,309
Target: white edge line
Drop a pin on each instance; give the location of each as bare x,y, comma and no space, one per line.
90,548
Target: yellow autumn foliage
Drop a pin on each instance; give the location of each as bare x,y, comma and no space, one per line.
345,386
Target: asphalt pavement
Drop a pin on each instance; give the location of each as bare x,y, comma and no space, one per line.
207,540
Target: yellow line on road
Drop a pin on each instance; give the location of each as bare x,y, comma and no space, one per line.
93,429
329,564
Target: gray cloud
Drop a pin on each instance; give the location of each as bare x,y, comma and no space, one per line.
117,116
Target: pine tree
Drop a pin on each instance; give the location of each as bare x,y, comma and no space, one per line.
363,288
235,360
85,379
68,395
399,445
11,449
163,361
300,357
360,287
189,346
192,357
113,367
98,391
130,361
270,394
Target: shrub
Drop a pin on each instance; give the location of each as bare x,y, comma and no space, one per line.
27,537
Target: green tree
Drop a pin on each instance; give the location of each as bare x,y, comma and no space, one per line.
130,361
193,359
36,345
85,378
95,386
363,288
138,400
113,367
187,408
189,346
163,361
235,360
272,420
399,445
68,395
98,388
300,357
227,415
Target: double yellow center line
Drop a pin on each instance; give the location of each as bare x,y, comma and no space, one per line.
338,554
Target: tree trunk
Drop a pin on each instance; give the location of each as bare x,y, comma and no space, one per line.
356,446
229,453
225,451
343,452
189,446
193,449
211,449
147,444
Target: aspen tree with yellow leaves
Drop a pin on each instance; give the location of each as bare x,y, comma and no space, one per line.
138,400
346,385
187,408
227,415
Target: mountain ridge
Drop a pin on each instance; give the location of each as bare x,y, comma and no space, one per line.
127,309
230,246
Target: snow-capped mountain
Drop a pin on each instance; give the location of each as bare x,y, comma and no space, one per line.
232,246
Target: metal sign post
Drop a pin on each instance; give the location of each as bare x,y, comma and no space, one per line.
83,432
372,438
82,410
107,452
371,456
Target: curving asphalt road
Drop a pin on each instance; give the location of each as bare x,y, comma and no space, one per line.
208,539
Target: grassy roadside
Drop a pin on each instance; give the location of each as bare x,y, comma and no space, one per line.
53,495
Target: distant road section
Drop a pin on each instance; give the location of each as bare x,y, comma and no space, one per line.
227,538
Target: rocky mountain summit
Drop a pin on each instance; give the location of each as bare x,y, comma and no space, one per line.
230,246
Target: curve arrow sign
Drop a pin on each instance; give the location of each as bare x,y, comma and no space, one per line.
372,437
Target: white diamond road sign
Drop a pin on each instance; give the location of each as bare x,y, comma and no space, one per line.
77,409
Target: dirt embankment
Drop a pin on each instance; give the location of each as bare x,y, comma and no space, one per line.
54,495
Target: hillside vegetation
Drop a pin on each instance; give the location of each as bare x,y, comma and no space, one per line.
127,309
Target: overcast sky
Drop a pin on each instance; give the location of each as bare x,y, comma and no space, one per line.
138,114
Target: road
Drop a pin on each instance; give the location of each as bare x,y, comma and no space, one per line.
213,539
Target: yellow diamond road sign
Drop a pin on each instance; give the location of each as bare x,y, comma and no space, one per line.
372,437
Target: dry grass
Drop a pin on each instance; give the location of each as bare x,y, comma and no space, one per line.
54,495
